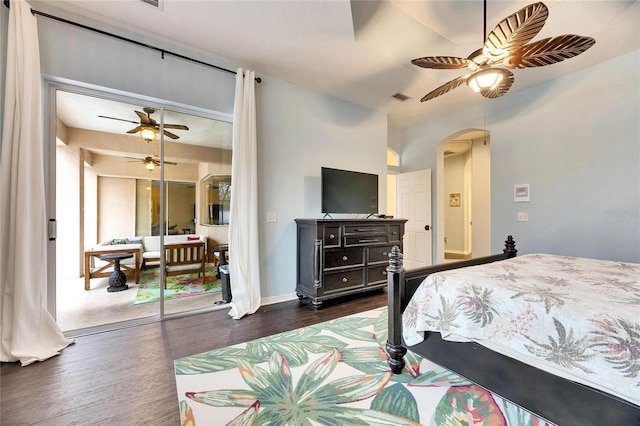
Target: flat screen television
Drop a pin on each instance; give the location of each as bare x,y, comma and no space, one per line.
345,191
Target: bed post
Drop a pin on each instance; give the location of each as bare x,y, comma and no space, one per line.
510,247
395,291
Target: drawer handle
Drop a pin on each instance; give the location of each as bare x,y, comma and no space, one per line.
344,280
332,237
394,233
384,253
370,240
345,258
369,230
384,272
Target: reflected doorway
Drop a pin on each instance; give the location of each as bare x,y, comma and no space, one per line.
464,196
458,200
180,208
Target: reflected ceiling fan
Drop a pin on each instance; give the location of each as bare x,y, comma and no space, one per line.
506,47
150,163
148,127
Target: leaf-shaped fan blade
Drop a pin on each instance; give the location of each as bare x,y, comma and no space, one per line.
502,89
441,62
171,135
447,87
176,126
144,118
515,31
549,51
156,161
120,119
136,129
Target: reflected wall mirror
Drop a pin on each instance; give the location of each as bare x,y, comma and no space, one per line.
216,194
126,168
104,180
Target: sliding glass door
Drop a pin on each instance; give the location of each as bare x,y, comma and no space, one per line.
125,190
191,275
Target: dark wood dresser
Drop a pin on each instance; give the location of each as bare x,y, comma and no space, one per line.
336,257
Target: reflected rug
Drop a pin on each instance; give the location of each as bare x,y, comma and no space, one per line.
333,373
177,285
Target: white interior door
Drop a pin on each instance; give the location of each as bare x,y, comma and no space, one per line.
413,202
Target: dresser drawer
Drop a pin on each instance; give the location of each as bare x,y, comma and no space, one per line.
379,254
331,236
342,258
377,274
358,240
365,229
342,280
395,234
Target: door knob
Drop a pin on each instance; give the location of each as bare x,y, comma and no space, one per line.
426,227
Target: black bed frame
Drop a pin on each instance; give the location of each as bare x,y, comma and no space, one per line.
558,400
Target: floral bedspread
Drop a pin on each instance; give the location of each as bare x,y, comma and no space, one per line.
580,317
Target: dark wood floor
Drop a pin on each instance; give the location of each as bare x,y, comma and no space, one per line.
125,377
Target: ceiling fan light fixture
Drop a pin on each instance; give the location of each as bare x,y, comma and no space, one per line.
149,165
508,45
148,134
488,79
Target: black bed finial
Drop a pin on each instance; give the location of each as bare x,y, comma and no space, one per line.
510,247
395,259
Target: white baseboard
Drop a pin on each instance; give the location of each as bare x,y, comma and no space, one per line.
277,299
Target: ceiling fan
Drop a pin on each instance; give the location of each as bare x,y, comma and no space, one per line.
148,127
150,163
506,47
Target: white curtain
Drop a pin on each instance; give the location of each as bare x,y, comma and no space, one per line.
244,261
28,332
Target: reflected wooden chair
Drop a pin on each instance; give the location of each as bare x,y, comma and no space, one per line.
184,258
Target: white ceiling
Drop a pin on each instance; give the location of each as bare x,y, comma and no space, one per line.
84,112
360,51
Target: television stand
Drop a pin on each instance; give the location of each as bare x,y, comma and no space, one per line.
338,257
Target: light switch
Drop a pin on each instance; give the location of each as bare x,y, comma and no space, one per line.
271,217
523,216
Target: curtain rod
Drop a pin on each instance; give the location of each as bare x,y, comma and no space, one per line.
148,46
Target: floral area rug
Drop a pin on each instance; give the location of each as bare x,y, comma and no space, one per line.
333,373
177,285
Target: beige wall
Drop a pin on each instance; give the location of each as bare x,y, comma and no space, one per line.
90,199
134,146
218,233
109,165
116,207
144,207
68,211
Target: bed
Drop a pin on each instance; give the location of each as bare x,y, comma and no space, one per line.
572,355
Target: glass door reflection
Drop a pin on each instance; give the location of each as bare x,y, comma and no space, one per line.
108,195
207,151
